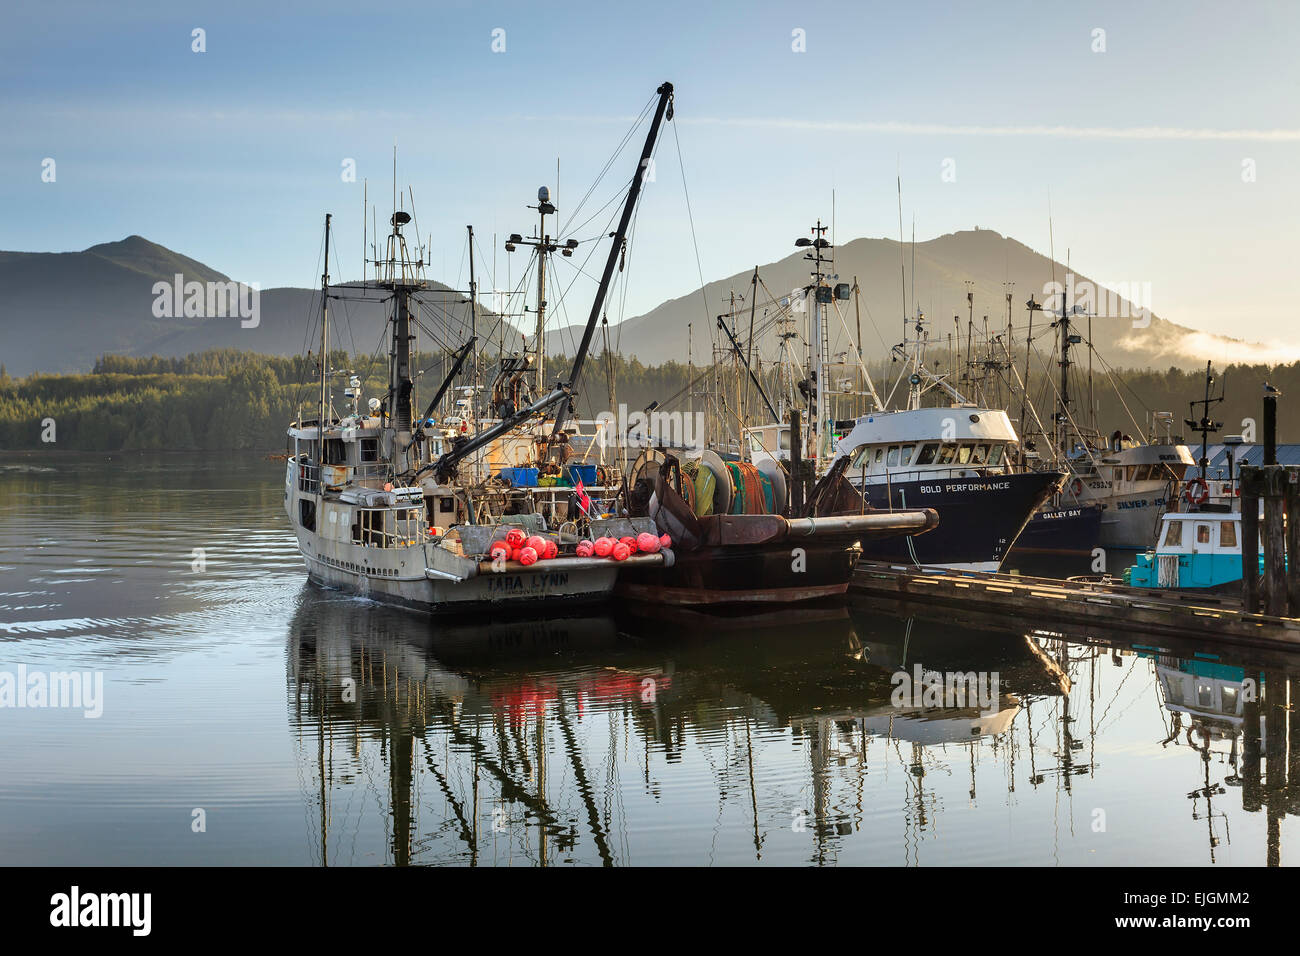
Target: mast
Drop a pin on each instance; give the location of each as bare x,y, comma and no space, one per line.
1205,426
562,396
1032,307
324,346
473,331
402,280
664,109
1009,349
544,246
970,326
401,384
817,416
543,206
1065,376
857,313
749,347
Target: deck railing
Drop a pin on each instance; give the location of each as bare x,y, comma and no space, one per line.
308,477
368,475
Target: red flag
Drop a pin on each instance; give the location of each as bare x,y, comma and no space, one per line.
584,502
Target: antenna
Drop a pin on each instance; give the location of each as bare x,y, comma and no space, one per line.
1205,426
902,256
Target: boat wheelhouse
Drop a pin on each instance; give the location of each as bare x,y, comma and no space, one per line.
1195,550
956,442
1132,485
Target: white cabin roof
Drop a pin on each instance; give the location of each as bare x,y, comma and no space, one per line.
942,424
1159,454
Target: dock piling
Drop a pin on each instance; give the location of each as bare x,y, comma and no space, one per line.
1275,596
1292,500
1267,483
1276,486
1249,541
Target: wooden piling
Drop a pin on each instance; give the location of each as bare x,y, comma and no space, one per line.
1275,595
1278,589
1249,483
1292,498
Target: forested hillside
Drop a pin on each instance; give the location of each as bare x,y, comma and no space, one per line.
229,400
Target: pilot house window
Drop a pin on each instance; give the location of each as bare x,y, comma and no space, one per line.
335,453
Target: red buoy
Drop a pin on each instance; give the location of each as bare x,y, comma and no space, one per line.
621,552
527,555
603,547
647,542
665,541
552,549
500,548
537,543
585,549
515,538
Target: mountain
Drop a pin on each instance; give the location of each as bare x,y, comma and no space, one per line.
937,271
61,311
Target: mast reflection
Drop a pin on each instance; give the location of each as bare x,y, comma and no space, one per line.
680,736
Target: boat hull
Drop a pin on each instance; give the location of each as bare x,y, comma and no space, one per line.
1129,521
979,518
399,577
1061,532
767,574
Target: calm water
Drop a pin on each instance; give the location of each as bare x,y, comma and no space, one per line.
310,728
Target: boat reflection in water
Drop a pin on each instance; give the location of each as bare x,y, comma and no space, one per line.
1242,722
678,737
655,739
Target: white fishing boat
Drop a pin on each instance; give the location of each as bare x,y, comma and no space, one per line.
404,509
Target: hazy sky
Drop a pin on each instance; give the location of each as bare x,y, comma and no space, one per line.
233,155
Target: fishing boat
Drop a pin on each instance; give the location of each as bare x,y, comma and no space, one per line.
398,507
750,542
1198,540
1130,480
1197,549
957,458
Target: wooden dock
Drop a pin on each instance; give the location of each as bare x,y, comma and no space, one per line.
1038,602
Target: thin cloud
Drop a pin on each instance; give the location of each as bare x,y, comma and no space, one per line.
1058,131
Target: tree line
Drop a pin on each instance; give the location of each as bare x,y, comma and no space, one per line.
227,400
